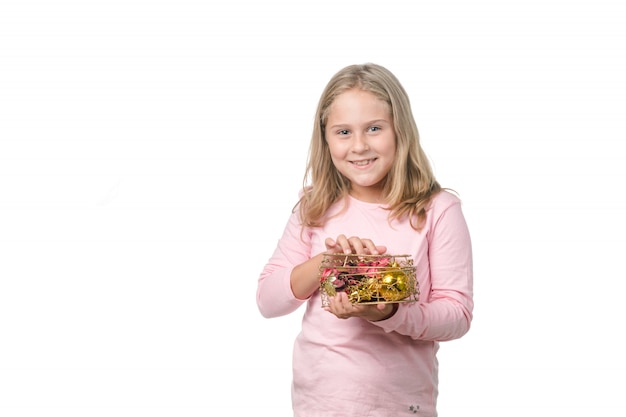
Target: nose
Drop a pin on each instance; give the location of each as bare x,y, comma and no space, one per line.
359,143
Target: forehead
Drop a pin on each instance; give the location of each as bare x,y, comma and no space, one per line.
356,102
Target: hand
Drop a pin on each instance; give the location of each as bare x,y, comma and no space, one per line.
354,244
341,307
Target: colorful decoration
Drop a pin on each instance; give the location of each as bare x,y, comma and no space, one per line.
368,279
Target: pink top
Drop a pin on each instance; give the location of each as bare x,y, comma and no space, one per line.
355,367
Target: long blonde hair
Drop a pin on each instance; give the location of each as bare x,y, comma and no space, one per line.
410,184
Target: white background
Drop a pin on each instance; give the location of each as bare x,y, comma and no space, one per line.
151,151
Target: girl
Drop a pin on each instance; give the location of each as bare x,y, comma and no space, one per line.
370,190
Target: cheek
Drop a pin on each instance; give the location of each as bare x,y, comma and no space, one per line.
336,161
336,150
337,157
391,148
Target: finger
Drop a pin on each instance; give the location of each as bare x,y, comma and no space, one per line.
344,243
337,303
330,243
357,245
372,248
341,306
369,247
345,301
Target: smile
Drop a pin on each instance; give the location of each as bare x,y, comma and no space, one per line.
363,163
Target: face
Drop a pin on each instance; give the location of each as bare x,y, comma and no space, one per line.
360,136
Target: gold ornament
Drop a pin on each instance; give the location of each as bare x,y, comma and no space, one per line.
393,286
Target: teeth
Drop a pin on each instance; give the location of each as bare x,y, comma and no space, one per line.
361,163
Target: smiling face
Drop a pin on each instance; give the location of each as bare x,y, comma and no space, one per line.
362,142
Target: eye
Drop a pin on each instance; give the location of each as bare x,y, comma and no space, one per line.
374,128
343,132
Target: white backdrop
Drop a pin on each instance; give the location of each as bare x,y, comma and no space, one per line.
150,153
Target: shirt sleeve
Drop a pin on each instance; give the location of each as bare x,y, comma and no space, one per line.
274,295
446,312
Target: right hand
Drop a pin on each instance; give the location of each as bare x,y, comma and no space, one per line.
354,244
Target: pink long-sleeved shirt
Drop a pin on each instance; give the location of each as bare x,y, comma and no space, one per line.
355,367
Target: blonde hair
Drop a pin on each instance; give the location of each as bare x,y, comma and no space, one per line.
410,183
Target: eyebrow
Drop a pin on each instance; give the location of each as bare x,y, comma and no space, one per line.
371,122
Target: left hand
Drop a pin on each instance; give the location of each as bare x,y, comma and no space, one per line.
341,307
